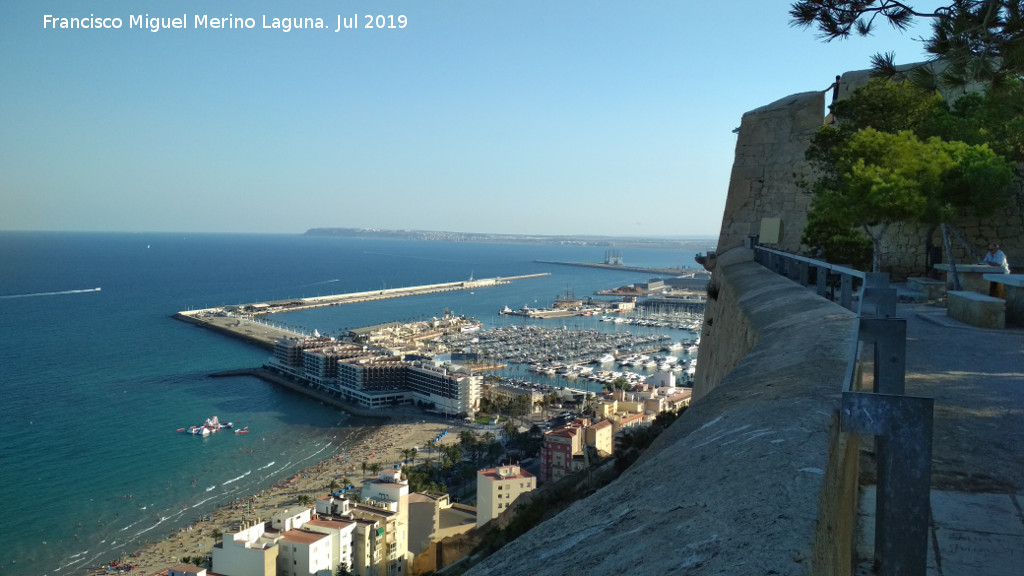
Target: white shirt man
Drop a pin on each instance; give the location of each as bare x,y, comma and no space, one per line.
995,257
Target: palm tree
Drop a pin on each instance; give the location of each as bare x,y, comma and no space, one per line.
365,465
375,468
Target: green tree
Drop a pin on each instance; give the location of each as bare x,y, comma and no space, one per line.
304,500
494,453
451,454
979,40
375,468
836,241
342,570
932,165
877,179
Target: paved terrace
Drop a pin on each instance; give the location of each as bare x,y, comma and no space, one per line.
976,377
756,479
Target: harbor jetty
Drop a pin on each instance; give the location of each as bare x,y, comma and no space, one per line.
244,321
607,266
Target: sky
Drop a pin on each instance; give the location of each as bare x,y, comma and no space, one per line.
527,117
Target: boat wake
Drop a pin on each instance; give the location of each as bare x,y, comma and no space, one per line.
60,293
267,465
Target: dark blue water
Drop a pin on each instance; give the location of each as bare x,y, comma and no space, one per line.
94,384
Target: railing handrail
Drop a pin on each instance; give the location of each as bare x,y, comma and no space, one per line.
901,424
838,269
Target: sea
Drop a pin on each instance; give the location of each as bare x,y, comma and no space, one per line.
96,377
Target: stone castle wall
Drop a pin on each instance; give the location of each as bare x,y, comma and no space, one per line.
769,168
769,171
904,246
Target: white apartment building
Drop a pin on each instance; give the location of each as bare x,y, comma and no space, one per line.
285,546
305,553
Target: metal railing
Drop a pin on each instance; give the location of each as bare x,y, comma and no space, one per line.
901,424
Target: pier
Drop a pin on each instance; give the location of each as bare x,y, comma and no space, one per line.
674,272
242,321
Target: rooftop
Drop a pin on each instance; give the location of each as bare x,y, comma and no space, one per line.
301,536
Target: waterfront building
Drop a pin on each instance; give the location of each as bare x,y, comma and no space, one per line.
367,547
305,553
370,379
291,544
249,551
386,501
365,537
380,546
444,390
497,488
341,536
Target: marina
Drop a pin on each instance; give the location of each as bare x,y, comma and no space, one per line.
131,357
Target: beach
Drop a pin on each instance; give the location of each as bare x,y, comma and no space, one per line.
383,445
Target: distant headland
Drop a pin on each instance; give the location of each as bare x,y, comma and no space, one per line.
695,243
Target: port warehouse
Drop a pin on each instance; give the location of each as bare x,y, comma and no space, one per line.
362,378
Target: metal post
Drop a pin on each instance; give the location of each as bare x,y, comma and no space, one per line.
822,281
877,298
888,339
846,291
903,425
805,274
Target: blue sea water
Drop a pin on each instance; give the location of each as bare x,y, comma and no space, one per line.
96,377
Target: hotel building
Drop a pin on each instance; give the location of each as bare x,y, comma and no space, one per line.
370,380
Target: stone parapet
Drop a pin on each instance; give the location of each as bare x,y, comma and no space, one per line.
753,478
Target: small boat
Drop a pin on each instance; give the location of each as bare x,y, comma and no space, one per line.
242,431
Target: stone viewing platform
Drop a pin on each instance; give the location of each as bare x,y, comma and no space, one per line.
242,321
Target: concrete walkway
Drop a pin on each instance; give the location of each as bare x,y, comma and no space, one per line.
976,377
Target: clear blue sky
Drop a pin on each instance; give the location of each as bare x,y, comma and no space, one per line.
539,117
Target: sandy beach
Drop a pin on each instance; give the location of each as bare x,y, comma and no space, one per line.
384,446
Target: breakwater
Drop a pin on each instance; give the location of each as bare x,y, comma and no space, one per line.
618,267
243,321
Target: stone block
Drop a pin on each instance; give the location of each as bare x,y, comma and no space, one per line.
931,288
976,309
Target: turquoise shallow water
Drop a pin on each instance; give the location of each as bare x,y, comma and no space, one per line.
95,383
